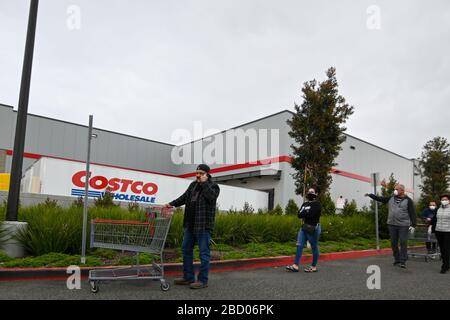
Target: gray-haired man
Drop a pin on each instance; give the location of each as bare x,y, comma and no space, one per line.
401,221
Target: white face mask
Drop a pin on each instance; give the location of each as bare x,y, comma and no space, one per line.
432,207
395,192
445,202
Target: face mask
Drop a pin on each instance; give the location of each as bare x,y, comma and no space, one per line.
310,197
395,192
445,202
432,207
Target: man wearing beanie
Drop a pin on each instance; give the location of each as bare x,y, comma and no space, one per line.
199,213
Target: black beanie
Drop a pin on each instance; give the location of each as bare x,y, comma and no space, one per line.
203,167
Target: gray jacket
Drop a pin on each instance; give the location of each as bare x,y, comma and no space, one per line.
401,214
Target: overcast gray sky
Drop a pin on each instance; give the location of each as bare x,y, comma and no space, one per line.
146,68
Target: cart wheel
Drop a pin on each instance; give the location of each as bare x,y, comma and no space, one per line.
94,286
165,286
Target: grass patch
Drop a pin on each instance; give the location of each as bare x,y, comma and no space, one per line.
220,251
50,260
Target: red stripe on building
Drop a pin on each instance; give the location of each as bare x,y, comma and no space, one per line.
38,156
246,165
243,165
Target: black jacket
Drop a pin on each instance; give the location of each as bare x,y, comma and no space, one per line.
310,212
199,215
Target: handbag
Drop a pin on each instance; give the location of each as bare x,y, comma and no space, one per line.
309,228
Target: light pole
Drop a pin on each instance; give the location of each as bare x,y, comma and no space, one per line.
22,111
375,182
86,191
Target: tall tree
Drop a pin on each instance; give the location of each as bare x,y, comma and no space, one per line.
435,164
318,131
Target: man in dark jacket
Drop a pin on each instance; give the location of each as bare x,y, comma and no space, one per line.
199,213
401,221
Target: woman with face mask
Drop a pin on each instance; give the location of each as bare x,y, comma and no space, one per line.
442,221
310,212
428,215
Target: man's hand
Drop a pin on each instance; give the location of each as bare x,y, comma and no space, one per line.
367,194
412,229
166,212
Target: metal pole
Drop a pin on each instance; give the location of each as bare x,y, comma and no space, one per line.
86,191
376,211
21,122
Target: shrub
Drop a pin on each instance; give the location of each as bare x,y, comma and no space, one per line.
328,206
278,210
79,203
247,209
350,208
232,210
291,208
3,235
48,203
335,228
60,230
106,200
133,206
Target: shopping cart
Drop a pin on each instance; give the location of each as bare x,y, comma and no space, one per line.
417,240
136,236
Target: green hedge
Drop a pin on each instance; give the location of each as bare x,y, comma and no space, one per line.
60,230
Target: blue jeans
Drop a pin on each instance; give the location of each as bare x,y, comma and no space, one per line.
190,239
313,240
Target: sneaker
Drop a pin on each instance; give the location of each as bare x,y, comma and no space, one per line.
182,282
396,263
403,265
198,285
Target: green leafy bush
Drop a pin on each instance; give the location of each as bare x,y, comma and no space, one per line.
278,210
328,206
60,229
291,208
106,200
350,208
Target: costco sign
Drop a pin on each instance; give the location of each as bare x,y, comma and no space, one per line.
123,189
58,177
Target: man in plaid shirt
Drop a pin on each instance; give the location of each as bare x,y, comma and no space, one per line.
199,213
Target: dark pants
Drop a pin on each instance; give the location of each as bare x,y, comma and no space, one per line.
189,241
399,234
431,246
444,244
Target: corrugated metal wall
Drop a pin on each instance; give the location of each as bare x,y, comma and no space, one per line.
50,137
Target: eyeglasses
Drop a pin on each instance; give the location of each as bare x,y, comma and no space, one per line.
200,173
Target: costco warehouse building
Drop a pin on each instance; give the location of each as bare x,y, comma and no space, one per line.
46,137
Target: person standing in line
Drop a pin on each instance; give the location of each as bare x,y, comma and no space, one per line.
310,212
442,223
401,222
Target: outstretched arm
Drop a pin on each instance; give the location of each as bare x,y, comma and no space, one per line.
182,199
377,198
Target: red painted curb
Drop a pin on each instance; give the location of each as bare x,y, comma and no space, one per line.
174,269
